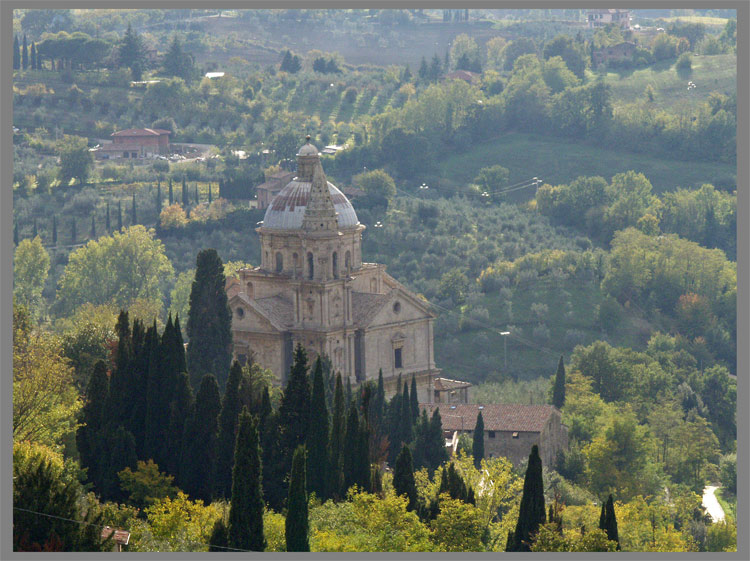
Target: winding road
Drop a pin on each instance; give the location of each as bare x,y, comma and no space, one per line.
712,505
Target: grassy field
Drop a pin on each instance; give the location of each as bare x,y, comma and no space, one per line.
705,20
572,305
716,73
558,161
729,504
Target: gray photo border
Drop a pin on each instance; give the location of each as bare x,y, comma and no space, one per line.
743,258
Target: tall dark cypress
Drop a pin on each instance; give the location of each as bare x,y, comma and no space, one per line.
209,325
33,56
93,226
133,213
34,230
558,392
435,453
403,478
25,53
414,396
118,409
156,420
531,513
122,454
210,199
294,410
16,53
197,196
477,450
185,200
138,397
179,347
171,193
297,523
246,510
54,229
179,411
158,197
379,404
198,458
73,233
335,443
317,436
93,416
407,432
608,521
230,410
15,233
107,221
351,448
394,424
119,215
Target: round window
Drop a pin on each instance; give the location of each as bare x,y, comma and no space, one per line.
396,307
240,313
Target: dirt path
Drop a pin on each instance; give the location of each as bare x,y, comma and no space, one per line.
712,505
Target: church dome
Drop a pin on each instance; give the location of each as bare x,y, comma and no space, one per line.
287,209
308,150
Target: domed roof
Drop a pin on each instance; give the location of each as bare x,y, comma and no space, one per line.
287,209
308,150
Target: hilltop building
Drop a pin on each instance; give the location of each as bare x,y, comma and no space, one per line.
605,16
313,288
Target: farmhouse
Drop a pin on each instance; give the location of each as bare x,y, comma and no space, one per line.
135,143
312,288
605,16
617,53
510,430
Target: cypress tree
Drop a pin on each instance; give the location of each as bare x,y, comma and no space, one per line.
414,400
317,436
531,513
119,216
403,478
73,233
159,384
275,491
16,54
199,442
54,229
351,445
210,199
25,54
558,392
179,347
93,227
179,411
134,215
33,56
185,200
107,222
335,461
230,410
219,539
158,197
294,410
197,196
435,448
477,450
137,399
246,510
121,445
118,408
93,417
608,521
15,233
34,230
171,193
379,404
394,424
348,389
297,523
209,325
407,433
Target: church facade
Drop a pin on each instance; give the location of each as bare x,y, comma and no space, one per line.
313,288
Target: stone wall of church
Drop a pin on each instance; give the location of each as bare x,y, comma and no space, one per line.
267,348
381,344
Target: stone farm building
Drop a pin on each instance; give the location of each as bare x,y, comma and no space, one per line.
510,430
618,53
605,16
135,143
313,288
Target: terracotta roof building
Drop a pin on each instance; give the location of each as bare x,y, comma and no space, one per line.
136,143
510,430
605,16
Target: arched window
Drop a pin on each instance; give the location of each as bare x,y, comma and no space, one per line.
250,291
348,261
310,270
279,262
335,265
295,260
373,285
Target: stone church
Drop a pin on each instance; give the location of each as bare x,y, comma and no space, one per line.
312,288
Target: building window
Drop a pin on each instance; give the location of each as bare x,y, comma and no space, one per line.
295,260
335,262
249,290
437,396
515,435
491,433
240,313
397,358
310,265
279,262
348,260
396,307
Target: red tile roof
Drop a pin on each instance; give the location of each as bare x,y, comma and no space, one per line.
442,384
499,417
141,132
121,537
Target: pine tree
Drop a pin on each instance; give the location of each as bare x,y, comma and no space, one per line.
246,510
230,410
558,392
297,523
107,221
93,226
93,421
171,192
531,513
132,54
414,396
119,216
608,521
158,197
477,450
294,410
16,54
177,62
335,442
403,478
25,53
33,56
199,442
317,436
209,326
185,199
54,229
424,71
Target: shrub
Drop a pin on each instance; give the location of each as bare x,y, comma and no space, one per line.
350,95
684,63
540,333
173,216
